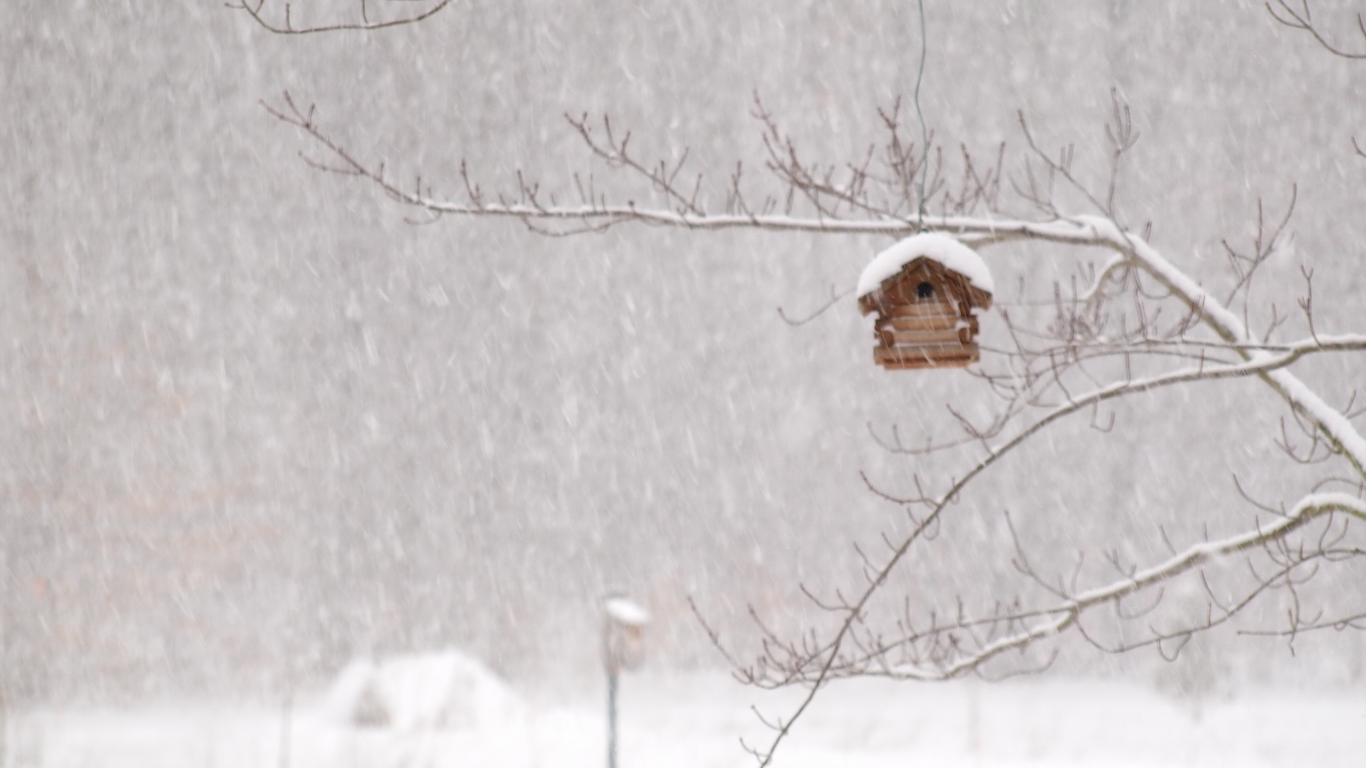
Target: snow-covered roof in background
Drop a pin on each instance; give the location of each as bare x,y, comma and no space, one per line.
624,610
942,248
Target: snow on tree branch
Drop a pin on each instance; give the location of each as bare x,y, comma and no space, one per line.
1069,612
545,213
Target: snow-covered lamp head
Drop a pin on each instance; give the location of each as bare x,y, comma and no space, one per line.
927,291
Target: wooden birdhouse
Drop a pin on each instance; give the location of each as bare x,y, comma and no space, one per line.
927,291
623,630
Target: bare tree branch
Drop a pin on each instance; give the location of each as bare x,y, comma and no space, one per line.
1301,19
286,27
1068,613
1134,324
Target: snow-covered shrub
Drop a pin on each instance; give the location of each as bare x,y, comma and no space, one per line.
445,690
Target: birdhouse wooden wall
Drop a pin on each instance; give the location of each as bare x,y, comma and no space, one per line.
925,318
623,646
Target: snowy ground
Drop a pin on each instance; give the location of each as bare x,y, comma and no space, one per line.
694,720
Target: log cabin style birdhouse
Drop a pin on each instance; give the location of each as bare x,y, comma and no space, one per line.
623,628
926,291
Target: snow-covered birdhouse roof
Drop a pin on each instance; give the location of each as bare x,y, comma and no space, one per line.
945,251
625,611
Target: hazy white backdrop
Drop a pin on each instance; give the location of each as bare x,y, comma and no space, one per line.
256,423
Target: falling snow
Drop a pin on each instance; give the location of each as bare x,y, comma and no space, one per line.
268,434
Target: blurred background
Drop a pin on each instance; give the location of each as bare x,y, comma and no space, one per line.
257,423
